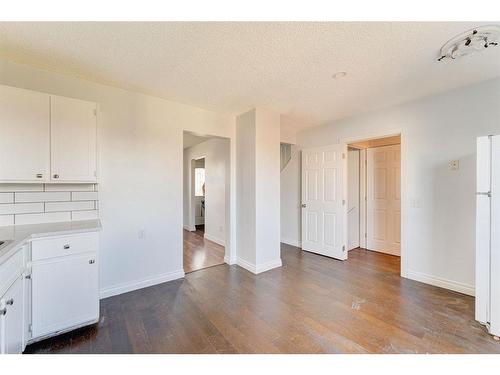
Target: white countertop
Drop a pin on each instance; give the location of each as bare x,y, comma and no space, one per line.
19,234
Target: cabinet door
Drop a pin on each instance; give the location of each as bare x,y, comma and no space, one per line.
13,319
73,140
64,294
24,135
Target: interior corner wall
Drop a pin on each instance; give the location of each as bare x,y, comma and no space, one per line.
216,154
140,146
439,207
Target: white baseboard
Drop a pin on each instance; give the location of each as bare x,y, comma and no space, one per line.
290,242
139,284
229,261
214,239
256,269
190,229
442,283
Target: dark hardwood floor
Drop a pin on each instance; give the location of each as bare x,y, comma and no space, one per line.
200,253
312,304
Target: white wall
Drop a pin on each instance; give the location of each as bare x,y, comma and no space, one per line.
439,206
290,200
216,154
258,197
140,143
245,176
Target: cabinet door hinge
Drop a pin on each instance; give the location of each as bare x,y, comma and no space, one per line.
343,248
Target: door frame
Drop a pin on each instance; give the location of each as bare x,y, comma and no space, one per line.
366,136
230,201
192,198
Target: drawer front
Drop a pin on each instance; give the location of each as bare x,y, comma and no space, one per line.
11,269
63,246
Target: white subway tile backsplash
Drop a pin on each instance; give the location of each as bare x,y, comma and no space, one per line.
42,197
21,187
6,220
6,197
84,215
84,196
20,208
69,206
43,203
47,217
69,187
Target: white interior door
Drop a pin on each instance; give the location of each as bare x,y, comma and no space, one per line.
383,199
324,210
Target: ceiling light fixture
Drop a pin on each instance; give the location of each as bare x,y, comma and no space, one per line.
339,75
470,42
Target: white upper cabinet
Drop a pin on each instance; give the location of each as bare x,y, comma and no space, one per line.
46,138
73,140
24,135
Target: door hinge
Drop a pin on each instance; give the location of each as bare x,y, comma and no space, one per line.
30,328
366,236
95,173
343,248
487,193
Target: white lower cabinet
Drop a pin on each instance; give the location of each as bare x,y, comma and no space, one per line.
12,319
47,287
65,286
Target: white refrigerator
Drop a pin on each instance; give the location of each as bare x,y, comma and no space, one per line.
488,233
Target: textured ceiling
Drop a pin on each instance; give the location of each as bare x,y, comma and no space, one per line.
231,67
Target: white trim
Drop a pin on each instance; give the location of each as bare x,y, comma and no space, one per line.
139,284
229,261
214,239
442,283
363,136
189,228
291,242
261,267
269,265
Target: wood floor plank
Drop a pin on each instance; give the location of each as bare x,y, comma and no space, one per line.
313,304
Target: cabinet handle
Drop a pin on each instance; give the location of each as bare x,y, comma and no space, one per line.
92,261
3,311
56,176
10,302
39,175
66,247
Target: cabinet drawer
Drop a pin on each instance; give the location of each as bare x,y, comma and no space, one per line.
63,246
11,269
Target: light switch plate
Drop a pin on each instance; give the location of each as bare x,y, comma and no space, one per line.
454,165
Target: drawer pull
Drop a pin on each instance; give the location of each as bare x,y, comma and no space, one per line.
92,261
10,302
39,175
3,311
66,247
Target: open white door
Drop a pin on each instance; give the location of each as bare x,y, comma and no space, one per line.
324,210
383,199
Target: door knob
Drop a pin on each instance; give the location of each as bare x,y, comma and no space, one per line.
92,261
304,205
56,176
10,302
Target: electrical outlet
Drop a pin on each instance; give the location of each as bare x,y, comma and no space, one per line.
454,165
